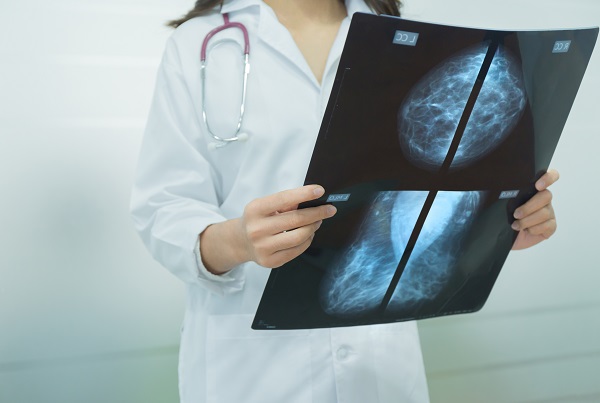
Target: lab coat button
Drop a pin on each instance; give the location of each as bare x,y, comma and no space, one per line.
342,353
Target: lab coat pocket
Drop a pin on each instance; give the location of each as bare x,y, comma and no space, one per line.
400,370
256,366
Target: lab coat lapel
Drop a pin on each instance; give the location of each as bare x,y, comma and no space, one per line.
352,6
276,36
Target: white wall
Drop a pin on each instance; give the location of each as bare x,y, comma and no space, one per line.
86,315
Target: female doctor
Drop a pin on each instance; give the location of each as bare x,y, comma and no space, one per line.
219,213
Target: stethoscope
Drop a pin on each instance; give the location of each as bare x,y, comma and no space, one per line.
237,136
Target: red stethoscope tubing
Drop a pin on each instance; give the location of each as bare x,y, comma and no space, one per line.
238,136
226,25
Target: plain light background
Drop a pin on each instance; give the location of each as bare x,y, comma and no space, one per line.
87,316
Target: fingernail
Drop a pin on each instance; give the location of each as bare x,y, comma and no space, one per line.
515,226
331,210
518,214
319,191
319,224
541,185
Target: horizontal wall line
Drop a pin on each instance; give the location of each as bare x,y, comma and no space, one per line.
545,310
133,9
80,60
570,398
88,358
108,123
104,60
483,316
511,365
98,123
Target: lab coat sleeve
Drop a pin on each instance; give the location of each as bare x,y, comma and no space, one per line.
174,197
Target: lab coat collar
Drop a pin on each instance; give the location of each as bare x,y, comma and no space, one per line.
230,6
275,35
352,6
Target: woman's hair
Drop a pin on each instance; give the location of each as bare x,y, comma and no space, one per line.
202,7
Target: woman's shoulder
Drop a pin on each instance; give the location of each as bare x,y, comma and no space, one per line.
197,26
185,41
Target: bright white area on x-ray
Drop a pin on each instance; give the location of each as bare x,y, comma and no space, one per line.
87,316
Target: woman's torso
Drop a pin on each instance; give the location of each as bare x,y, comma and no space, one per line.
221,358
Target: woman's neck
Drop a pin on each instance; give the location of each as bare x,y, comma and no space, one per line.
297,13
313,24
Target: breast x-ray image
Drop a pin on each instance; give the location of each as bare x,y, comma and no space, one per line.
357,282
432,137
429,115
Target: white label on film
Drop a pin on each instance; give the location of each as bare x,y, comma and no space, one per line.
509,194
406,38
340,197
561,46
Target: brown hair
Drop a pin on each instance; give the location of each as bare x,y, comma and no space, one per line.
202,7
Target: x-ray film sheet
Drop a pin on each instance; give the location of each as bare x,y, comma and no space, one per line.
433,135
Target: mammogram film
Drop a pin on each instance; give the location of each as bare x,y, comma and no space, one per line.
433,147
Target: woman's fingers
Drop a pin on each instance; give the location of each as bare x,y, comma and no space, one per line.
545,229
535,220
538,217
542,198
547,179
257,229
299,218
295,237
286,200
274,229
273,251
537,202
283,256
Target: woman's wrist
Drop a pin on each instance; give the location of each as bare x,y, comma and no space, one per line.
222,246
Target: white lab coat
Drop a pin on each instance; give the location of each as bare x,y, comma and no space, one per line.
182,186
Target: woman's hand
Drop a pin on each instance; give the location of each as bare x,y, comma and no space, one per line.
535,220
275,231
271,232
